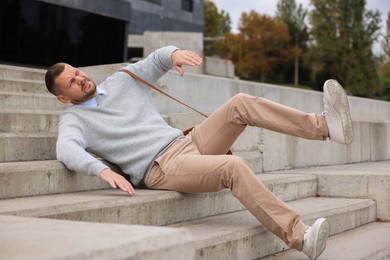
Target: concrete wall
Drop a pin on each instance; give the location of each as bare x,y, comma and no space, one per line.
219,67
187,41
206,93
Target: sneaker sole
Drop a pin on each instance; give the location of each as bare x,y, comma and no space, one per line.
321,238
338,100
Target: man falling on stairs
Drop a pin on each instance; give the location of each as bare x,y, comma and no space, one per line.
118,121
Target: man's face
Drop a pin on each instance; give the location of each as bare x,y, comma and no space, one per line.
74,86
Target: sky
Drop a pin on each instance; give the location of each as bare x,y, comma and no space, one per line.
268,7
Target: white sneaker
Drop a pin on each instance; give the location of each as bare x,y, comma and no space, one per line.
314,241
337,113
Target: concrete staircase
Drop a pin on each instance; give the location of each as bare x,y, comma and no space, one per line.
49,212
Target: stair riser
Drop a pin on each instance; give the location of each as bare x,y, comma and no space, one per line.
29,123
170,208
29,102
27,148
30,239
42,178
15,85
260,242
376,187
21,73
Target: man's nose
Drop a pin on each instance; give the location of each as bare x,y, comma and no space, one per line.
80,80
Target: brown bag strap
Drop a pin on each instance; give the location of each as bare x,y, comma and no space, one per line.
159,90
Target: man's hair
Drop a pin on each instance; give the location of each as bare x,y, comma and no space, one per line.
52,73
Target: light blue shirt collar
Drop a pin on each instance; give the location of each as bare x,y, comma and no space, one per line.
92,102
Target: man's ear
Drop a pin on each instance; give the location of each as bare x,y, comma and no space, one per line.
63,99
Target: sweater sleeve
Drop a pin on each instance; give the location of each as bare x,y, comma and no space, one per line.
155,65
71,145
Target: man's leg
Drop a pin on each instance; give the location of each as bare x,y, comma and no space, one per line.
216,134
183,169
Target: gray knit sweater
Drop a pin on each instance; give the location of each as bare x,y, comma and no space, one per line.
125,128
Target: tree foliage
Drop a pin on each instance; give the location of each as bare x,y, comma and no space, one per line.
343,32
294,16
337,44
384,70
263,47
215,23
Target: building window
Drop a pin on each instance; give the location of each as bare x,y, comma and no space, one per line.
187,5
157,2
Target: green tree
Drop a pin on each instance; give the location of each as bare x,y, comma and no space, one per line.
294,16
215,23
343,34
384,70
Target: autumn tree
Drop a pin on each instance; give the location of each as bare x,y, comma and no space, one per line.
263,47
294,16
343,34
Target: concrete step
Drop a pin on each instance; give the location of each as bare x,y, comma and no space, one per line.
148,207
27,147
239,235
33,178
16,72
368,242
362,180
29,101
29,121
31,239
51,177
23,85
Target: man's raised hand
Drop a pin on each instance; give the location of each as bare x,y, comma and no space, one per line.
183,57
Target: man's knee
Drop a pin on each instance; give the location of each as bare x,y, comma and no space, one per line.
240,97
236,164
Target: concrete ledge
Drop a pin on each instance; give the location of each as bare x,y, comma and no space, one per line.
29,238
149,207
240,236
368,242
363,180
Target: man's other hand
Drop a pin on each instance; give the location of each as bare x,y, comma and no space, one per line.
182,57
116,181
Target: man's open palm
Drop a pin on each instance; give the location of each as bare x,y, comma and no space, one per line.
183,57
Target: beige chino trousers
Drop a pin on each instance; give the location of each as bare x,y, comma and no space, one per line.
198,163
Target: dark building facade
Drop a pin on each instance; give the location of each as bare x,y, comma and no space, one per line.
86,32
